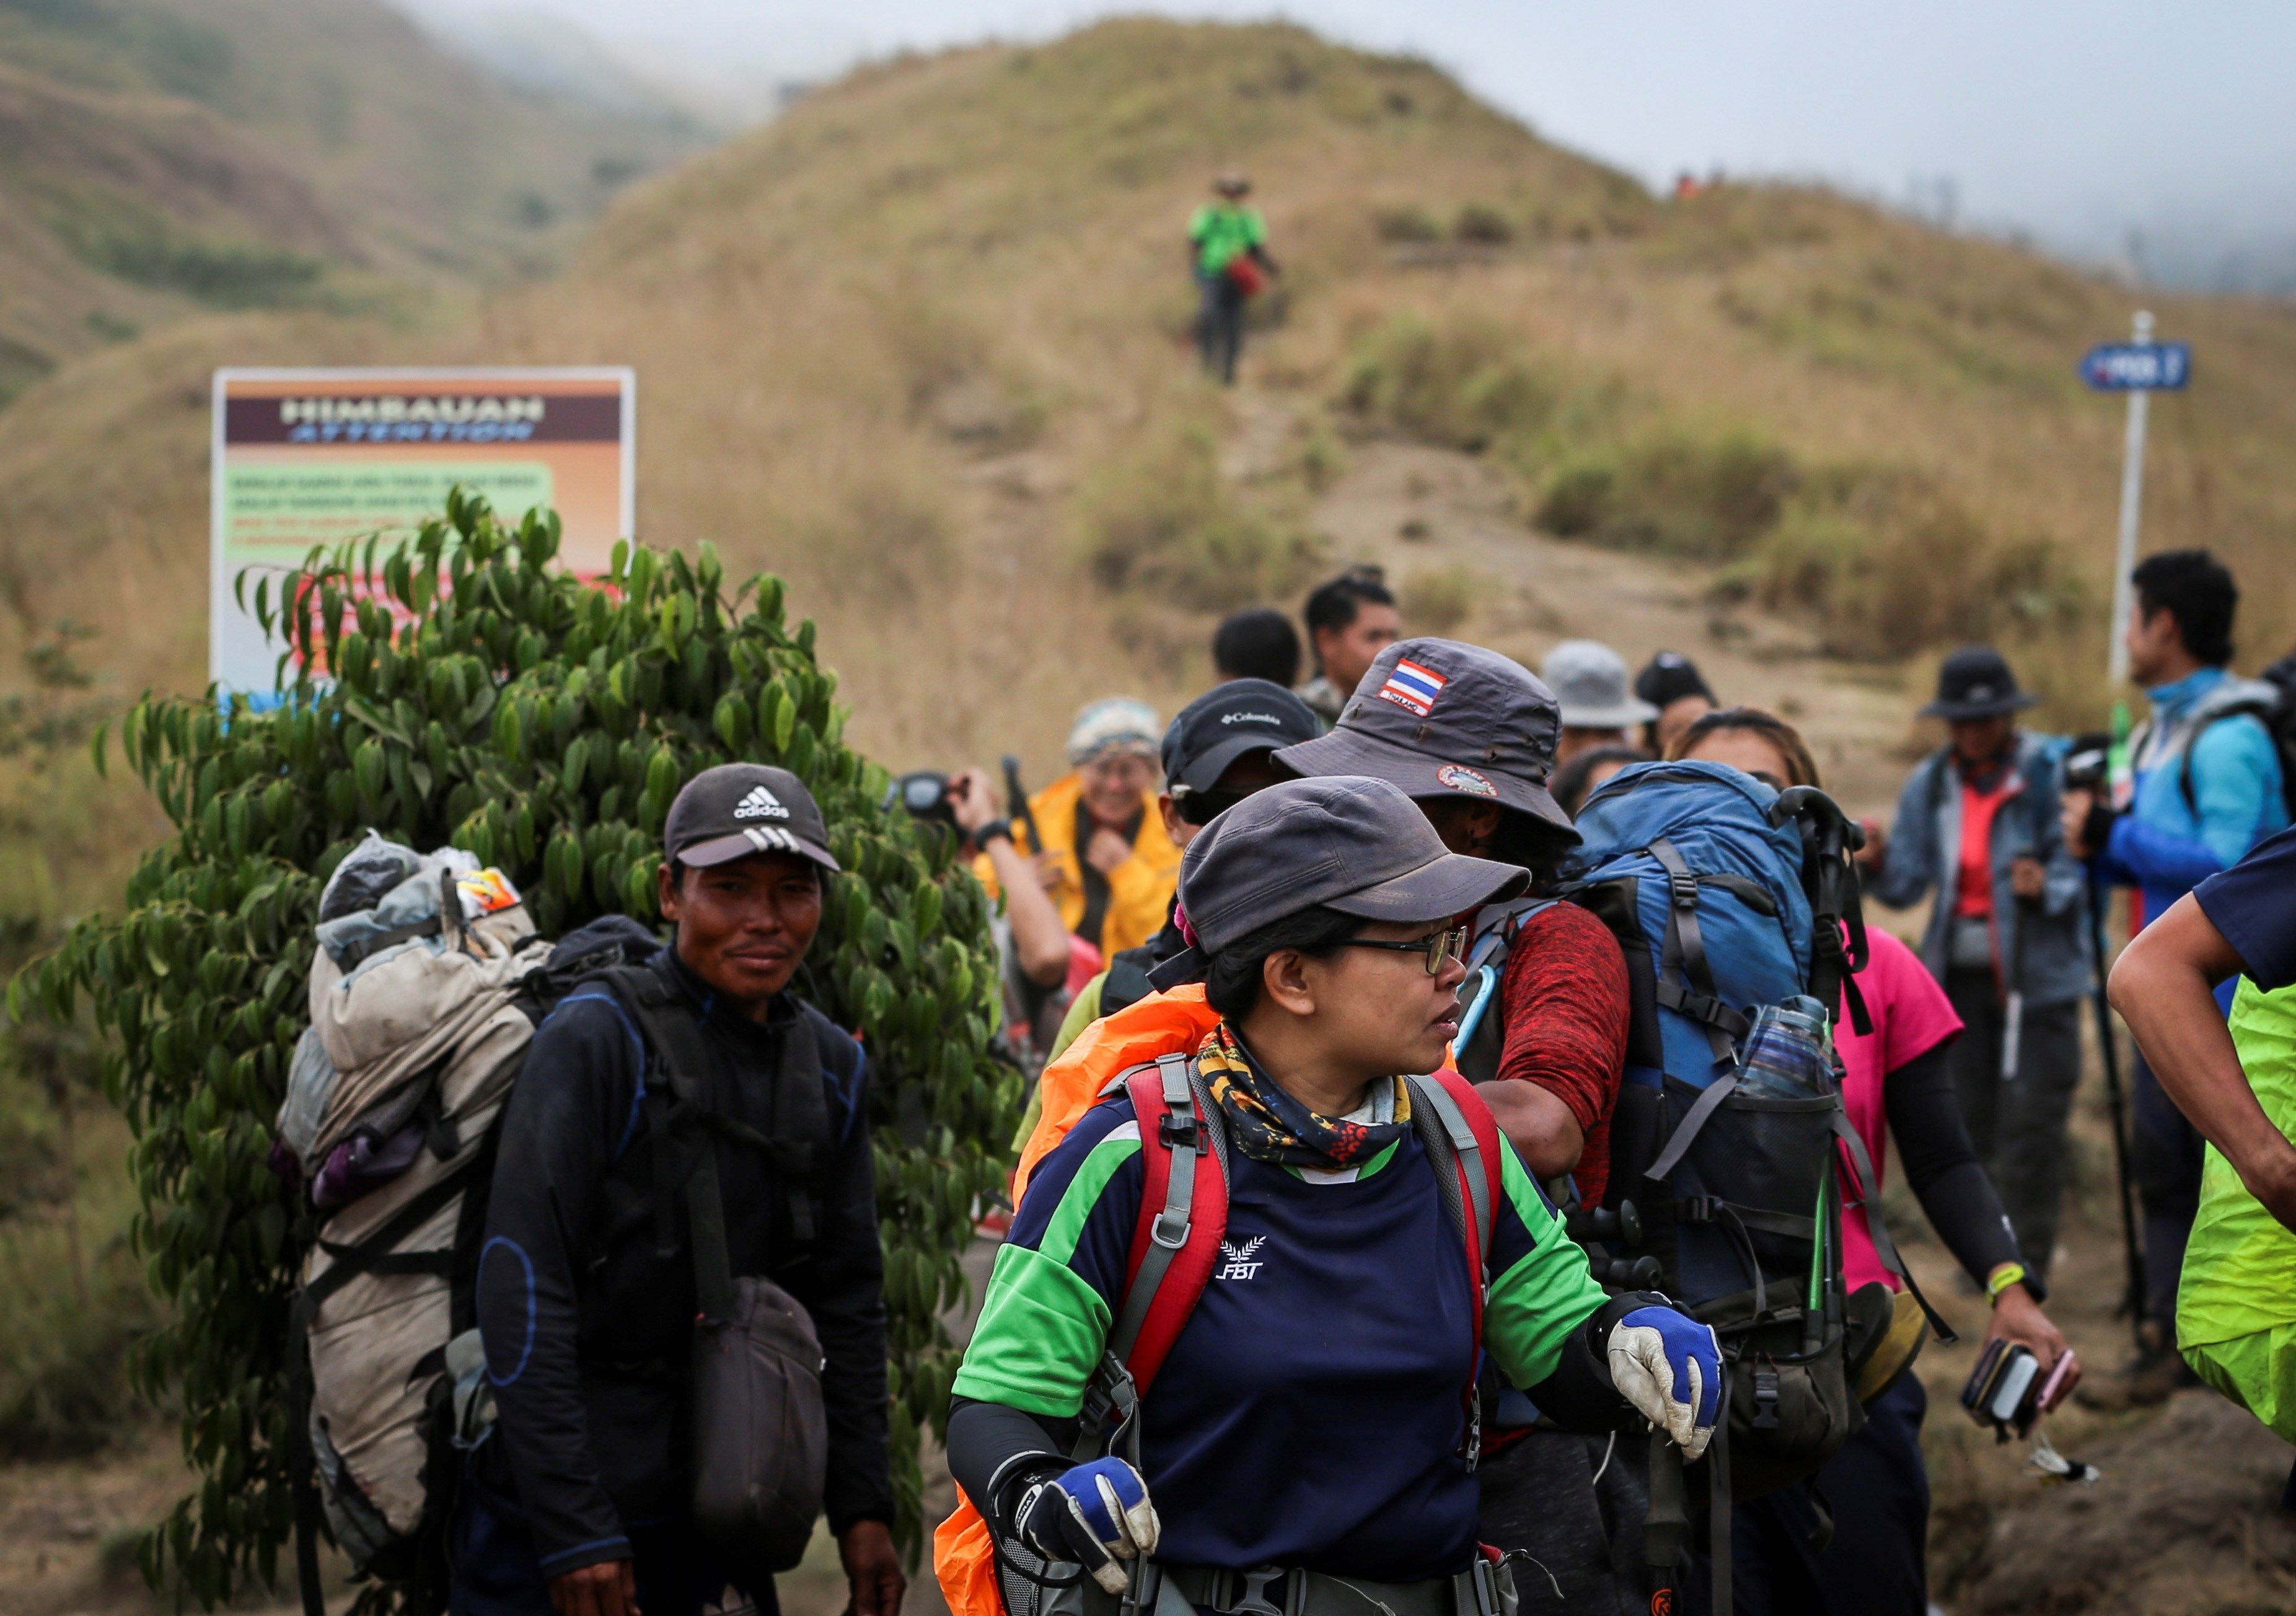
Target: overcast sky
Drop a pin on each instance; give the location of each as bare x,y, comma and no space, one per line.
2075,120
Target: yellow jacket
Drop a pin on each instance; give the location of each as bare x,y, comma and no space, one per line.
1139,890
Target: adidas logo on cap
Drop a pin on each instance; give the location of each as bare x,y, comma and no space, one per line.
760,804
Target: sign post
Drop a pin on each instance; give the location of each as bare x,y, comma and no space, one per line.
2138,367
305,458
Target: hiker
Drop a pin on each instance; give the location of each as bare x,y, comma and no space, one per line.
1115,865
2206,788
1340,1311
1035,951
1978,824
1227,253
587,1282
2237,1304
1897,1083
1589,679
1258,643
1584,774
1469,734
1215,754
1351,620
1671,683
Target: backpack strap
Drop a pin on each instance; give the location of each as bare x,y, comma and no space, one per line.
1174,1243
1862,1192
1686,983
1462,1139
2246,707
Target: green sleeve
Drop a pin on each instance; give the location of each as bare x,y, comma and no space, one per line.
1044,1326
1255,228
1543,1293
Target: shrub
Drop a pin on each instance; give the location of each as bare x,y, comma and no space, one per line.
1482,226
1436,600
1158,520
1457,384
1889,562
1673,492
544,722
1406,224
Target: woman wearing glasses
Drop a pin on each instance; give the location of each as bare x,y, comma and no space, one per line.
1470,736
1307,1438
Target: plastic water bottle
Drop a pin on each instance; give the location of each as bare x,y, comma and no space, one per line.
1789,1052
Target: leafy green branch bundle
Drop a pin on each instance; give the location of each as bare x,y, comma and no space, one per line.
483,697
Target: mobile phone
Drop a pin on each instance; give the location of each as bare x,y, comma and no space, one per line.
1976,1391
2060,1382
2006,1405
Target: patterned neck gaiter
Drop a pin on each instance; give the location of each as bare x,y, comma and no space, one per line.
1268,1125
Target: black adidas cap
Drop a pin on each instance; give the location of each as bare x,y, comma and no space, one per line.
1230,721
736,809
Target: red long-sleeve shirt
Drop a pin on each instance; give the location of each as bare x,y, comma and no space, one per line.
1564,999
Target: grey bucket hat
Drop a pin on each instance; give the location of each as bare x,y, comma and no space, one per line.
1344,841
1589,679
1440,718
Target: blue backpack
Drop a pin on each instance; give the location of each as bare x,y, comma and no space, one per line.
1727,895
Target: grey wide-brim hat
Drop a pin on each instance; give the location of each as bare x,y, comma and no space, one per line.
1441,718
1589,680
1347,843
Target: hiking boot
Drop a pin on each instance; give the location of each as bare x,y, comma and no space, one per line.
2144,1382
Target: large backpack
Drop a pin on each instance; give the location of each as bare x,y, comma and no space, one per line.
2270,700
1176,1247
1727,895
388,1132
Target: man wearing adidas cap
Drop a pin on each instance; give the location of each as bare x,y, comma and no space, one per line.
578,1507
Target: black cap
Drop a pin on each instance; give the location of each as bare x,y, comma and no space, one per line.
1440,718
1667,677
736,809
1231,721
1975,683
1345,841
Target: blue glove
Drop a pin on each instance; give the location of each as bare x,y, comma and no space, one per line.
1093,1516
1670,1366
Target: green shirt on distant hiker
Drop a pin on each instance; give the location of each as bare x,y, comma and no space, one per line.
1227,250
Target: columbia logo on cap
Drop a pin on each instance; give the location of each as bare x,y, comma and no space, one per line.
760,804
1250,718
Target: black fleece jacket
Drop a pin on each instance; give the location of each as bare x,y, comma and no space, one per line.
587,1328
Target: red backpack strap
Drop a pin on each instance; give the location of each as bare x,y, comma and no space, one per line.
1183,1217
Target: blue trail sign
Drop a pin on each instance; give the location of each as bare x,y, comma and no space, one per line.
2138,367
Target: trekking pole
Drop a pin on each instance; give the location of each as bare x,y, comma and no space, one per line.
2133,1303
2013,1012
1016,804
1665,1525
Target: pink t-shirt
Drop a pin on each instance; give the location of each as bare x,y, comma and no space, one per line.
1910,1017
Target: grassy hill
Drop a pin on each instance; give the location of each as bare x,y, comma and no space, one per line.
920,345
160,157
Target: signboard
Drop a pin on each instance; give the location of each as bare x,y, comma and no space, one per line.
2131,368
305,458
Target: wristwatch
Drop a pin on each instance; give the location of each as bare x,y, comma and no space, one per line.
994,830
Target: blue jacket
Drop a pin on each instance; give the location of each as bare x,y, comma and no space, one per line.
1926,854
2162,846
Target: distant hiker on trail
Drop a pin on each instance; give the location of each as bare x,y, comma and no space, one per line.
1978,825
1258,643
1351,620
1543,1040
1589,679
1227,251
2207,787
610,1199
2237,1304
1896,1084
1338,1240
1671,683
1113,866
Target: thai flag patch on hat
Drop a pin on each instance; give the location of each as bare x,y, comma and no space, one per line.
1412,687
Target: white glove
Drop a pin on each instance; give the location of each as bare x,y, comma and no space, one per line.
1670,1366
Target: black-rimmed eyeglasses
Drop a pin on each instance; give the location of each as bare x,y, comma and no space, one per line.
1438,950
